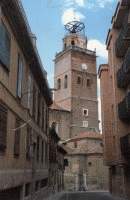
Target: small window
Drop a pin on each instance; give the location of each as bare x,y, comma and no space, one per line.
59,84
75,144
37,185
66,81
38,147
85,124
85,112
17,137
27,189
5,44
90,164
3,127
88,82
72,42
79,80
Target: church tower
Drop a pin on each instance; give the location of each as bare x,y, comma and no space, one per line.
75,80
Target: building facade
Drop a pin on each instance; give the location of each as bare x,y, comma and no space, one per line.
24,101
115,82
56,161
86,170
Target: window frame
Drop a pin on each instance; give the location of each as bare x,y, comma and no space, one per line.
5,47
85,122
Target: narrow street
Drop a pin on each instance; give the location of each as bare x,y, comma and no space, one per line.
83,196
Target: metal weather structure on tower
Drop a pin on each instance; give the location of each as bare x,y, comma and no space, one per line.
75,27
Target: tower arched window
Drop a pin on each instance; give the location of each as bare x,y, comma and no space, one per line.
59,84
66,81
72,42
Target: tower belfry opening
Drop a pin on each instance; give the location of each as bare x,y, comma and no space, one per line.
75,35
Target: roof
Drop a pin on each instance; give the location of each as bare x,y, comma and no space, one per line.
13,10
88,134
55,106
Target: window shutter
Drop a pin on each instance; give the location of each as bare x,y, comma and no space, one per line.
28,142
17,138
19,76
3,127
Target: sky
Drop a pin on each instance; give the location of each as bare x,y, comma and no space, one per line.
48,17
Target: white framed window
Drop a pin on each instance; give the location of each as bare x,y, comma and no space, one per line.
85,124
85,112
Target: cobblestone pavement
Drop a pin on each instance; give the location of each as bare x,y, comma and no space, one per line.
83,196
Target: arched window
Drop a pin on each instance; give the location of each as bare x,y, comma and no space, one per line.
78,80
72,42
88,82
59,84
66,81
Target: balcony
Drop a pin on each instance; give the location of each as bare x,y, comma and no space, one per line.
124,109
123,75
125,146
123,41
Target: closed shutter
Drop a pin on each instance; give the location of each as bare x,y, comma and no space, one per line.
17,138
19,76
3,127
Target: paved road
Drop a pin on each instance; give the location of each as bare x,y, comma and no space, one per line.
83,196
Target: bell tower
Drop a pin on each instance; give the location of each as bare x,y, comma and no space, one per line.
75,80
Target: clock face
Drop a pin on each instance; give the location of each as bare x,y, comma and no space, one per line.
84,66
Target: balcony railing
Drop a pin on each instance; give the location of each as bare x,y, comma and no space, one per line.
123,75
123,41
125,146
124,109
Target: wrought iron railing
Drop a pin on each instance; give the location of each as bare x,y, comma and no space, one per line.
125,146
124,109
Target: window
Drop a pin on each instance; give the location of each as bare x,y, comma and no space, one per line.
28,142
75,144
27,189
90,164
3,127
29,90
44,183
85,124
38,147
78,80
66,81
19,76
43,110
59,84
17,137
39,108
85,112
72,42
36,185
88,82
5,44
42,153
34,101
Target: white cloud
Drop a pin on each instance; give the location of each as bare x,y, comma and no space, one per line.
71,14
80,3
99,46
99,3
